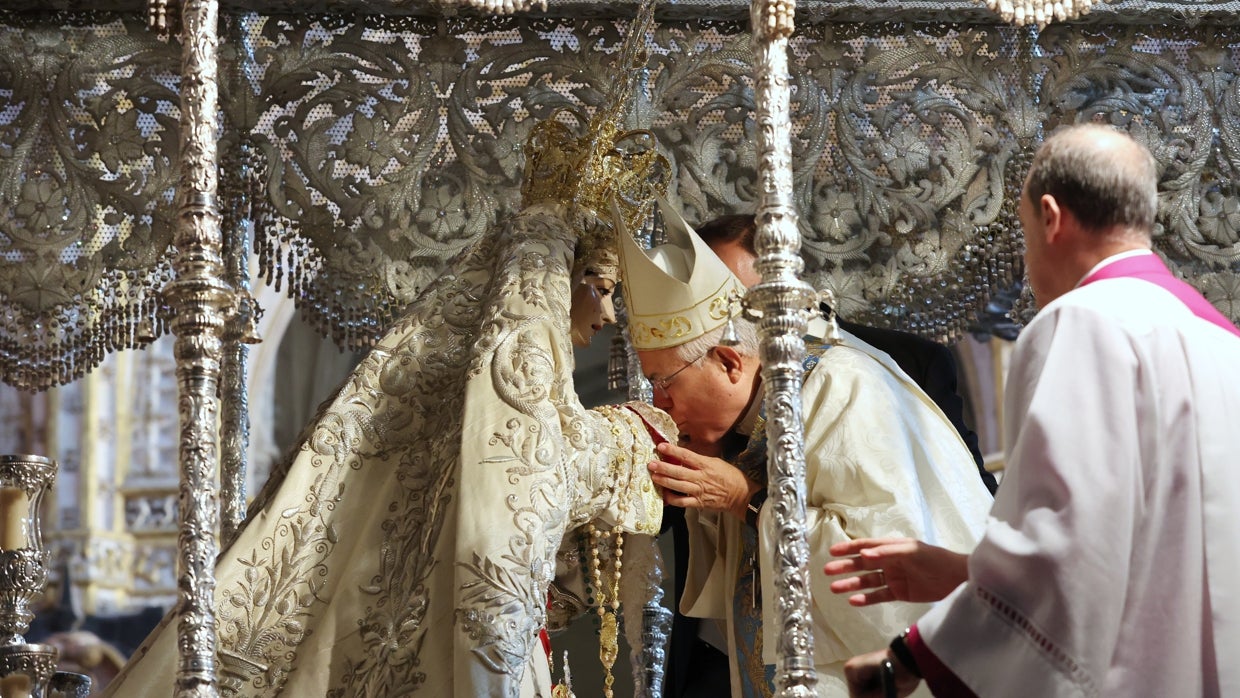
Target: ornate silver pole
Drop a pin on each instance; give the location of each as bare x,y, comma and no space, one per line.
199,299
648,675
782,299
235,420
646,621
241,326
649,655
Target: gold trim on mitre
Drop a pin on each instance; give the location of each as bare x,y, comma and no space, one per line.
675,292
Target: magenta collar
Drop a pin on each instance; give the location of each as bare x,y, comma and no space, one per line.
1149,267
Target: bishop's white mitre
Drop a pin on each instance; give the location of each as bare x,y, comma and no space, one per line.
677,291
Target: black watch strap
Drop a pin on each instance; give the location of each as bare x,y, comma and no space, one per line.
904,654
755,506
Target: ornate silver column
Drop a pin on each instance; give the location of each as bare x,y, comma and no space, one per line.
648,654
241,326
235,420
199,298
782,299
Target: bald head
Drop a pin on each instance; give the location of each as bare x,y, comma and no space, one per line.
1091,192
1108,181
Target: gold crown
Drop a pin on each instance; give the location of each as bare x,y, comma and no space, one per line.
588,170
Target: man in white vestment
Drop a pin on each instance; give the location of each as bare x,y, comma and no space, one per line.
695,667
1110,562
880,459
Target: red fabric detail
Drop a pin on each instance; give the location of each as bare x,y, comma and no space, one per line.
1149,267
542,633
942,682
656,436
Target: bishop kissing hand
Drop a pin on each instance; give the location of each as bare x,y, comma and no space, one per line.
695,481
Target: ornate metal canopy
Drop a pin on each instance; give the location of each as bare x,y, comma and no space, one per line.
1180,12
365,145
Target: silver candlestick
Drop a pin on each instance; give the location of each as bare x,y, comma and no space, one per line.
25,669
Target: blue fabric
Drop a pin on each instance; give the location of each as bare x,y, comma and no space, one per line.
757,679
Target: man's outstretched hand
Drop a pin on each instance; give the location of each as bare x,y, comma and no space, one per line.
895,569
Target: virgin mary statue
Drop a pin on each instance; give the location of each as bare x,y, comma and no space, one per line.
407,546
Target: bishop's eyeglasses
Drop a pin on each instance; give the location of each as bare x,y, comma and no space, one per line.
660,384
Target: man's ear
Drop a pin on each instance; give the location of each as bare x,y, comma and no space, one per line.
1053,218
733,362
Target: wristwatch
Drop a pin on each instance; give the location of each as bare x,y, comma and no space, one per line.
904,654
755,506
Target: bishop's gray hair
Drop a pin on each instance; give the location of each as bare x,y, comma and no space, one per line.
746,333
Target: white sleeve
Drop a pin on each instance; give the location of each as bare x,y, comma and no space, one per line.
879,462
1051,569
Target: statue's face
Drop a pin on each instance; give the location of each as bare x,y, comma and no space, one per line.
591,305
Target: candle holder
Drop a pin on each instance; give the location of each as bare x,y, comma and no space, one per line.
24,480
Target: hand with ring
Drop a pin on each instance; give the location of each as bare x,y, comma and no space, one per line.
895,569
